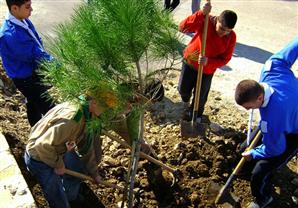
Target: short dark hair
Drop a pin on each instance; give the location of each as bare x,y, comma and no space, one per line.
15,2
229,18
247,90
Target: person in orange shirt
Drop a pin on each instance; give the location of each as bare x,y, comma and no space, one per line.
221,41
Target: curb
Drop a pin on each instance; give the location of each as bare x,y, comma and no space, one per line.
14,191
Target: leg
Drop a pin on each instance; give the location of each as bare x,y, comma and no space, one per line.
70,183
262,172
167,4
187,82
33,113
261,176
41,96
195,5
174,4
38,100
205,88
50,182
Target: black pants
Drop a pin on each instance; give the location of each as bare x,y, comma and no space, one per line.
262,170
187,86
39,101
171,5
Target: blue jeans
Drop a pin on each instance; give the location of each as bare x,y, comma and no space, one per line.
58,190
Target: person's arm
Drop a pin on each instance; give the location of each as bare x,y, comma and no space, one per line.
288,55
93,156
25,50
273,142
193,23
224,58
58,134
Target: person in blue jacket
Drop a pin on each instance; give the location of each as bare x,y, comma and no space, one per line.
276,97
22,51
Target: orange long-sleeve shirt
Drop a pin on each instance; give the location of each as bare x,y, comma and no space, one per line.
219,50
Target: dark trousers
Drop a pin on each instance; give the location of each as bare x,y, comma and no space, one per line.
39,101
187,86
171,4
262,170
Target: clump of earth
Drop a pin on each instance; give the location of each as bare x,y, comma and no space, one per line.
204,163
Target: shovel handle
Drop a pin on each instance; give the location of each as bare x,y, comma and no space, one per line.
225,188
200,69
250,117
88,178
142,154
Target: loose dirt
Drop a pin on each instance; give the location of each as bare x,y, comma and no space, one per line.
201,161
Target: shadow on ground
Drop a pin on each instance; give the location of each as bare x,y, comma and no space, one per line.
252,53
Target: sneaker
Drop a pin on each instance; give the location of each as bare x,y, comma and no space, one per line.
262,204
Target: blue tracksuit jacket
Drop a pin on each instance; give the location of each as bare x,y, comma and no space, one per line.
19,51
280,116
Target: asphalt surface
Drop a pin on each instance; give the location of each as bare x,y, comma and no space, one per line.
263,28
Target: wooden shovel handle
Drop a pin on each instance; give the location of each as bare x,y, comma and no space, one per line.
200,69
224,189
88,178
142,154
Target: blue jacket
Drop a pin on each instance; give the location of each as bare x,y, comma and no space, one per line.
280,115
20,52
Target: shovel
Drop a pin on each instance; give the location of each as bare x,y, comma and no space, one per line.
251,112
89,178
142,154
195,128
220,199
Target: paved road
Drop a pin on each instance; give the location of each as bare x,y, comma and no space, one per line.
263,27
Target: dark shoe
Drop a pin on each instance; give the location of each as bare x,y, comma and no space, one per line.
187,115
262,203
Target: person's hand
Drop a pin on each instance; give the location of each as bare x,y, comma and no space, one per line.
60,171
70,145
247,156
207,8
97,179
202,60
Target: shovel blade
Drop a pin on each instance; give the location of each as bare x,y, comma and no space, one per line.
191,129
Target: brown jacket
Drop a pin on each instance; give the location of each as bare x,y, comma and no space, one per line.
47,139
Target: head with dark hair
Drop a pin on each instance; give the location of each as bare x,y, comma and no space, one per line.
249,94
225,22
228,18
15,2
20,9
